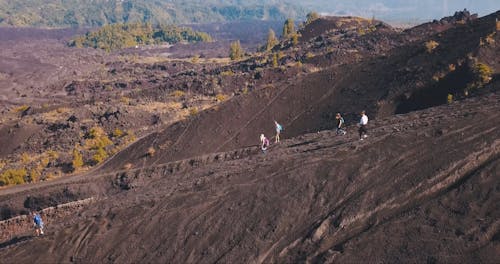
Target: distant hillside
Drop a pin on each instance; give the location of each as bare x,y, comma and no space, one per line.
76,13
397,10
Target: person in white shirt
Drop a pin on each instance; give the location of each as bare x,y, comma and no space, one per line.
362,125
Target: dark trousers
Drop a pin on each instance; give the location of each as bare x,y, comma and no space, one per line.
362,129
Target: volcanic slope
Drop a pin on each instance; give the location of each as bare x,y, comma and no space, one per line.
405,79
422,187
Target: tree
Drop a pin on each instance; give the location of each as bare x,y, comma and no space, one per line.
288,28
275,60
235,52
77,159
271,40
311,17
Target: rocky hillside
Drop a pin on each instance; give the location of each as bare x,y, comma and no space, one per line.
422,187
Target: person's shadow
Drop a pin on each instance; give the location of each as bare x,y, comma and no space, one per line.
15,240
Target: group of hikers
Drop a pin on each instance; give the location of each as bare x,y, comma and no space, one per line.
340,130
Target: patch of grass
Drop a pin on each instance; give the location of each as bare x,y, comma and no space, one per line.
20,109
195,59
221,97
227,73
125,100
117,133
193,111
177,93
99,156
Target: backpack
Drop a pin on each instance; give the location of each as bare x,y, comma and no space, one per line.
38,219
279,127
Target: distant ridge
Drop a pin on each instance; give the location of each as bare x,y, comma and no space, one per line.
75,13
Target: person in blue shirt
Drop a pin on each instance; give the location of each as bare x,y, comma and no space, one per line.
38,223
278,131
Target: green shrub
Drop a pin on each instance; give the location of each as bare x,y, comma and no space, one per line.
193,111
482,73
13,176
235,50
117,133
99,156
20,109
431,45
275,60
177,93
221,97
77,162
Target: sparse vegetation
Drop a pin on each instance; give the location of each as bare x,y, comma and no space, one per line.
288,28
482,74
449,98
99,156
97,139
235,50
227,73
310,17
431,45
275,60
117,133
13,176
295,39
221,97
177,93
193,111
271,40
20,109
77,161
195,59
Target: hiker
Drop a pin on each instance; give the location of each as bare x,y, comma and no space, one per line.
38,223
264,143
278,131
340,125
362,125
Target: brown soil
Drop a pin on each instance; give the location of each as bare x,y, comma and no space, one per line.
421,188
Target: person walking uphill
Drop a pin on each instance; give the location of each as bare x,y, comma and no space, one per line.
340,124
38,223
362,125
278,131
